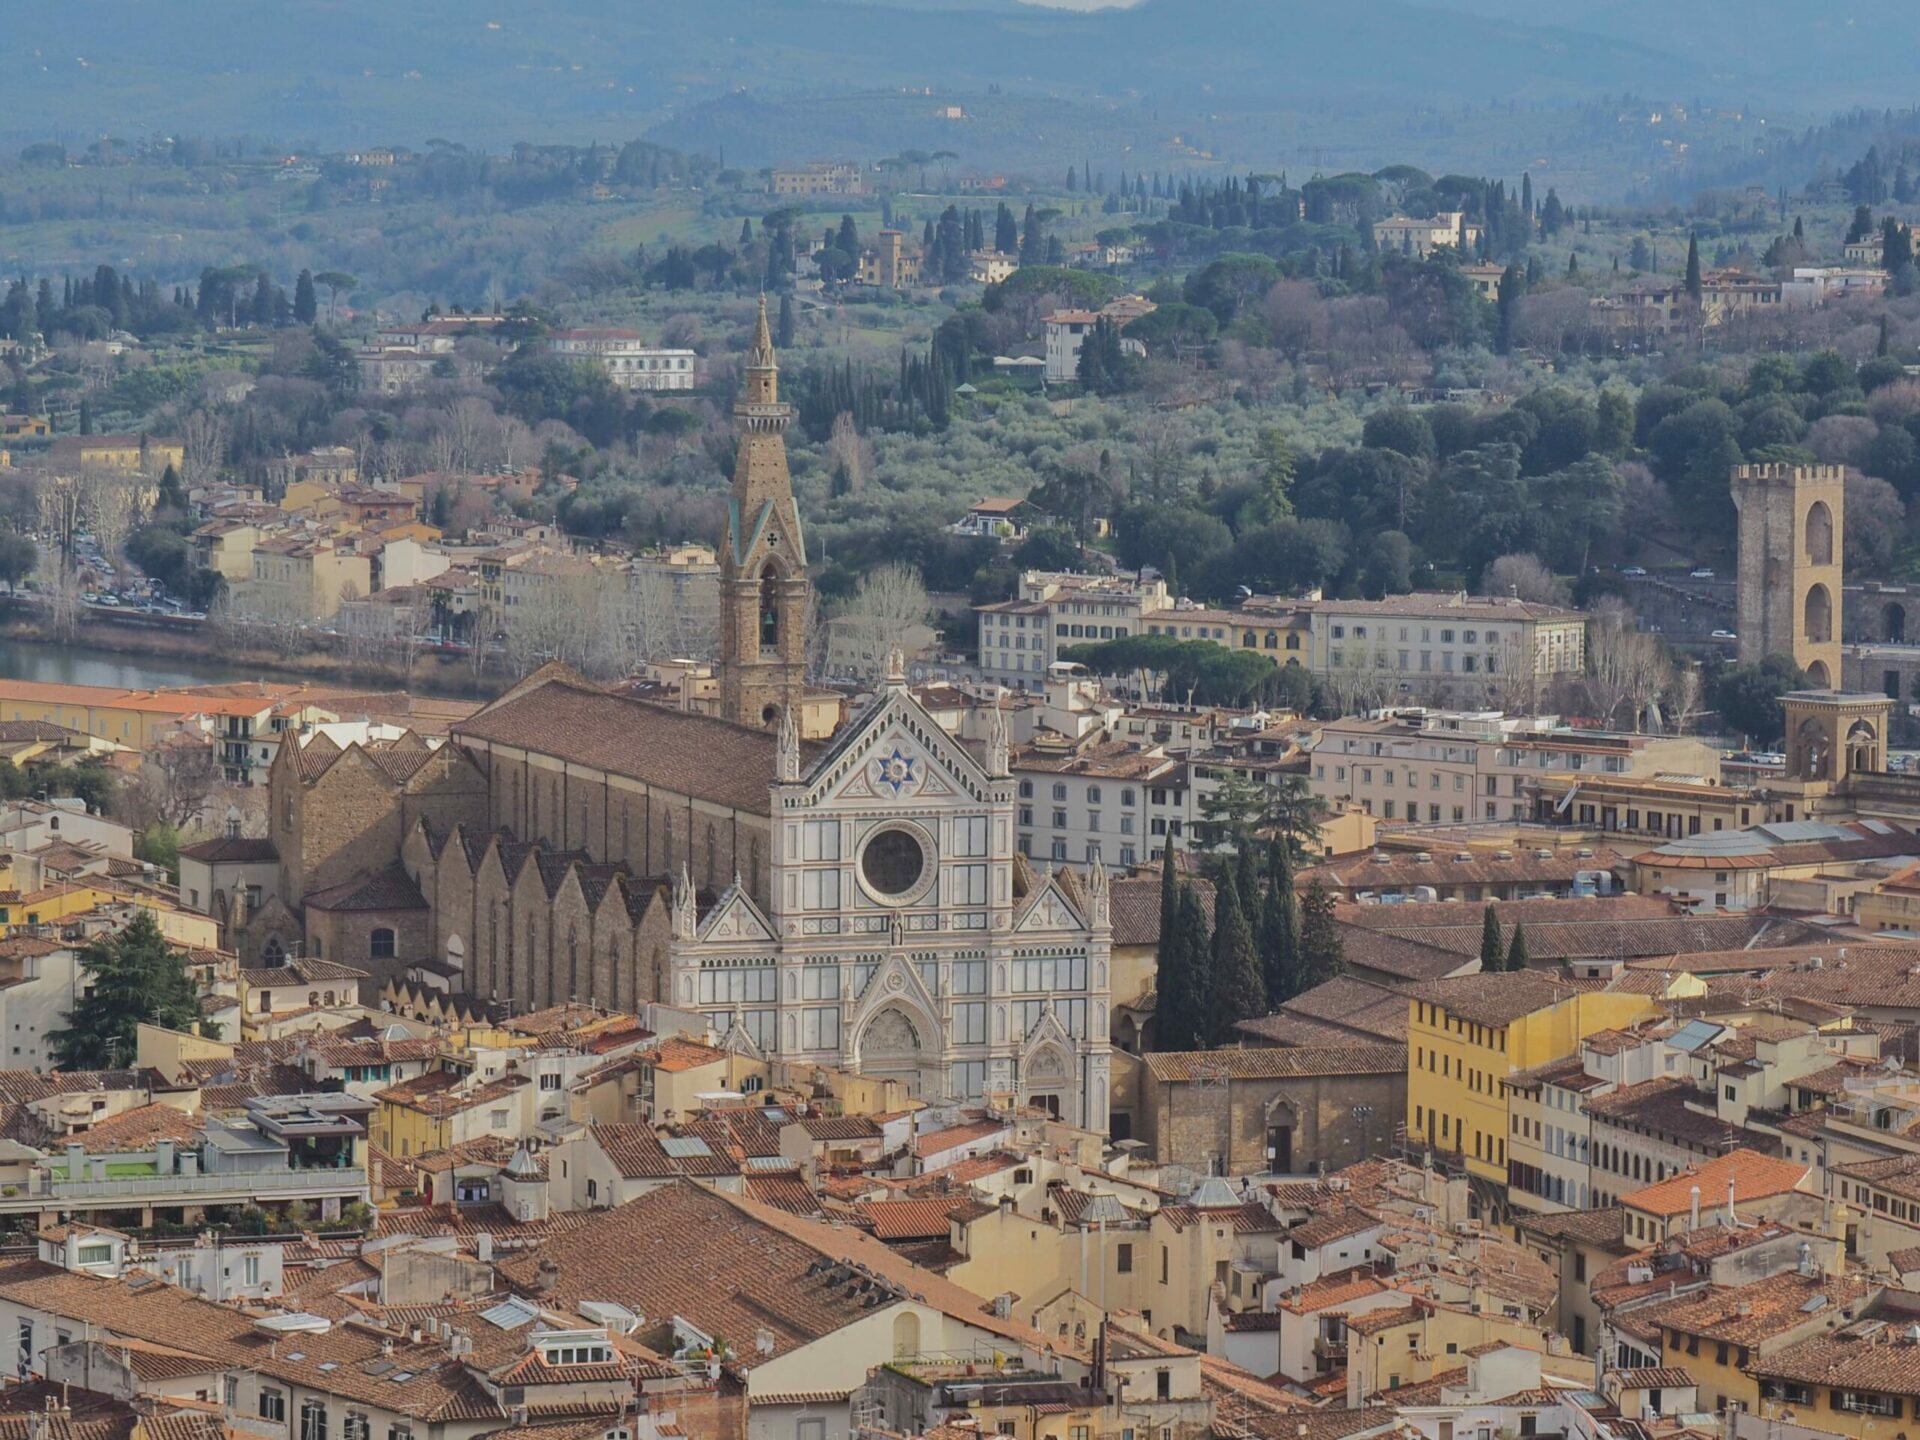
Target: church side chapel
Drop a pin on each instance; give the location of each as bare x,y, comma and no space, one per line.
856,902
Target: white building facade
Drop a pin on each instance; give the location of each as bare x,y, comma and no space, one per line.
895,943
630,362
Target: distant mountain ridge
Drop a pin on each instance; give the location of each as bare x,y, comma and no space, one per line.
334,72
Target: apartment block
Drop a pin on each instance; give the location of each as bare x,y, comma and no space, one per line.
1020,638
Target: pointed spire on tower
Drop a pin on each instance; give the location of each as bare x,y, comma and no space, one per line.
787,754
1100,898
763,368
686,911
761,355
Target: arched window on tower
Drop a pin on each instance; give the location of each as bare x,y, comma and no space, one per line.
1819,534
1819,616
770,609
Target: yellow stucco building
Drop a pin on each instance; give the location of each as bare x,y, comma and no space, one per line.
1467,1033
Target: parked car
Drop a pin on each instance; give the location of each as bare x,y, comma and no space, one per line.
1725,635
1634,570
1700,572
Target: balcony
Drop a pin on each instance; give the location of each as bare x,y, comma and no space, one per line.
315,1182
1330,1350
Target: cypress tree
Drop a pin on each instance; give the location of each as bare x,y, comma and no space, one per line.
786,326
1517,951
306,304
1197,963
1492,954
1246,880
1180,1006
1321,957
1508,308
1280,926
1694,285
1234,988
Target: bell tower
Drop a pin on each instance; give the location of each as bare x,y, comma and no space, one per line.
764,590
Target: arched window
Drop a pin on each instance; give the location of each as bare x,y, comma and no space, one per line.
273,952
1819,534
770,609
380,944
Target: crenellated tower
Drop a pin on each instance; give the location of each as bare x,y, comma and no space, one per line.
764,590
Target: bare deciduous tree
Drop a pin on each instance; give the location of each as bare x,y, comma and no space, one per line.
174,784
203,442
62,503
114,505
888,612
1525,578
1685,698
1625,666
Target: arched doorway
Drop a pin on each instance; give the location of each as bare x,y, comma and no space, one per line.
1893,624
893,1047
1817,675
1863,748
1816,759
1283,1121
1046,1081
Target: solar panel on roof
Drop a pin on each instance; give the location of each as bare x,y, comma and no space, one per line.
1692,1035
685,1147
509,1314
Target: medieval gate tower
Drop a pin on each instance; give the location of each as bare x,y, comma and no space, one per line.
1790,538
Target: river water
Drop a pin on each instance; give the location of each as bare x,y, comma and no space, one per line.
75,665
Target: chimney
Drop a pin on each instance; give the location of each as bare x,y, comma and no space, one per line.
483,1247
1693,1222
1732,1219
548,1277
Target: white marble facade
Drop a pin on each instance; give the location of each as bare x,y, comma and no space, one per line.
894,943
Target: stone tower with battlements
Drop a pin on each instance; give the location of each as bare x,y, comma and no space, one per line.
1792,521
764,590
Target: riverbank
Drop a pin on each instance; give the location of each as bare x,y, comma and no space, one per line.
189,657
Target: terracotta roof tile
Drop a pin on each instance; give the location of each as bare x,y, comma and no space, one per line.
910,1219
1754,1176
638,1154
1277,1063
688,754
733,1266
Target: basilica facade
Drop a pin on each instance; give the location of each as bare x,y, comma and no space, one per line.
901,934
